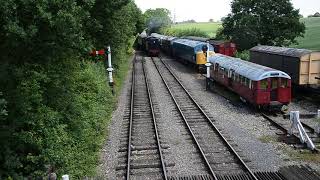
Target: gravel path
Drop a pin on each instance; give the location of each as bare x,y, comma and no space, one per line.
244,127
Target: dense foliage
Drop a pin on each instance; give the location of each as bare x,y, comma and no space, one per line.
183,32
244,55
268,22
55,101
157,18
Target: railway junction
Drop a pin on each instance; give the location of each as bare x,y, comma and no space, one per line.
167,126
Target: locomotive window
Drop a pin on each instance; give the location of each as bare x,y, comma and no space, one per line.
264,84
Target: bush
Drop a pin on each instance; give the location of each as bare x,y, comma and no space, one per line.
59,113
184,32
244,55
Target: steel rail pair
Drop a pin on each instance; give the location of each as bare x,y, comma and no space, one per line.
154,122
245,167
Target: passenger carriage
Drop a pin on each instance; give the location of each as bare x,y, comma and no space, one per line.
259,85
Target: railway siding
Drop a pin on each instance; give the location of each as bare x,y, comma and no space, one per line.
216,151
243,126
182,159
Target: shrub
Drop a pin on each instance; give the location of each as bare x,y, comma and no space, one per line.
184,32
244,55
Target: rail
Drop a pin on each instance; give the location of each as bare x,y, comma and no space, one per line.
245,167
132,104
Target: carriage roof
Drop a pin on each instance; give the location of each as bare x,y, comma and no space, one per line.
247,69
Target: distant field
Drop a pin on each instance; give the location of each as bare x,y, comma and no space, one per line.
311,38
209,28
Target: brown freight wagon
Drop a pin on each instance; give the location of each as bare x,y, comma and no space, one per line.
301,64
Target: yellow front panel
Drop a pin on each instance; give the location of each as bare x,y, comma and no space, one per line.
201,57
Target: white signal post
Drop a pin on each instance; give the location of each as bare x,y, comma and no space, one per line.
208,64
110,69
65,177
318,127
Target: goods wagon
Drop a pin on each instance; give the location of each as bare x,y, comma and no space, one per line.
259,85
191,51
220,46
301,64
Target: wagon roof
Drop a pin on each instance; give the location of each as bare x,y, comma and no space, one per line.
292,52
247,69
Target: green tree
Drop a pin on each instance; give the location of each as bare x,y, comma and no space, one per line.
268,22
54,101
157,18
37,31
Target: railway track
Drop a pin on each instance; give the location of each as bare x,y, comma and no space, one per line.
216,152
284,125
144,152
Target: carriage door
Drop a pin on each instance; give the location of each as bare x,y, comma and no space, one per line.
231,75
274,89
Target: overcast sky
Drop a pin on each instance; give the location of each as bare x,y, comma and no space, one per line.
203,10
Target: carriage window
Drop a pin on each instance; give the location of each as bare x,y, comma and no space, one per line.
264,84
243,81
284,83
247,82
233,76
250,84
274,83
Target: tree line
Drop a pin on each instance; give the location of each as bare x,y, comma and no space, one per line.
55,102
266,22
